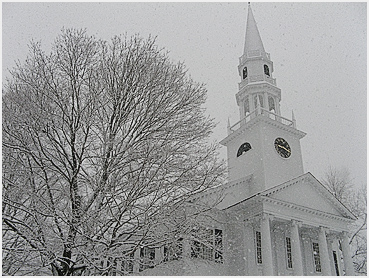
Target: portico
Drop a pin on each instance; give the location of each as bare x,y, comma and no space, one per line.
286,238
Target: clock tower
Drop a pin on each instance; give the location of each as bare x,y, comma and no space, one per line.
263,144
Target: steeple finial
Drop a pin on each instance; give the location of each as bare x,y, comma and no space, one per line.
253,39
293,119
229,131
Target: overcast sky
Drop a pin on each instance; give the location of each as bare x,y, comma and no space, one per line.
318,50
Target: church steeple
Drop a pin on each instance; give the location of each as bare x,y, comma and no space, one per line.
253,40
262,143
256,72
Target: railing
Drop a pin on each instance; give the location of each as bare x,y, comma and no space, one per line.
254,54
265,113
256,78
242,121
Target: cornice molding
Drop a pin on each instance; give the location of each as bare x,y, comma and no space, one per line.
261,119
305,209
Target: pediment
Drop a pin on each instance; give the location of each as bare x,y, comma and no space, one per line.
308,192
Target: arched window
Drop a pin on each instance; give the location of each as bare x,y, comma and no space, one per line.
271,104
266,70
244,72
246,107
243,148
272,108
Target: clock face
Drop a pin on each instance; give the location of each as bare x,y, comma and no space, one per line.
282,147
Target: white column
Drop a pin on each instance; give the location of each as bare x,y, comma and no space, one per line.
296,249
251,103
277,108
250,252
258,105
323,251
158,255
242,109
266,246
119,267
336,248
136,261
347,260
105,263
186,247
266,101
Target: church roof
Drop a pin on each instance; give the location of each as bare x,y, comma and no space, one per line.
224,195
253,40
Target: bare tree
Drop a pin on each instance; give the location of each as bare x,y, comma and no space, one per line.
358,241
340,183
103,142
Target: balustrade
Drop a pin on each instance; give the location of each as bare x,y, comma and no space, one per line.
264,112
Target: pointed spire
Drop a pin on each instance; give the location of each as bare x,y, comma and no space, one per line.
253,39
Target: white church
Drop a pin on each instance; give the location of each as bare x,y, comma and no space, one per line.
287,222
274,219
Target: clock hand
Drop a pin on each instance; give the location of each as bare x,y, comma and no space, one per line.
284,148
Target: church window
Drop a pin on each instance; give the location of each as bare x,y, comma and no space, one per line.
243,148
259,259
336,263
113,271
244,73
173,250
218,246
246,107
127,262
266,70
201,251
289,252
147,257
261,100
316,256
208,244
271,103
